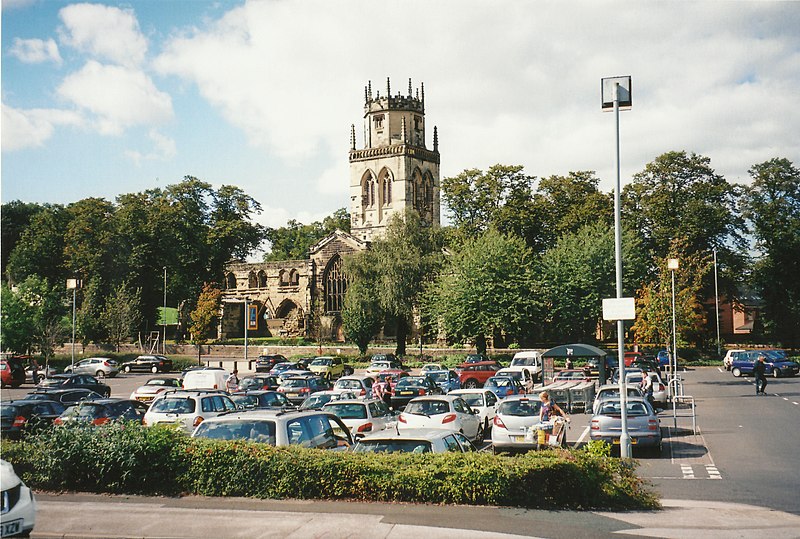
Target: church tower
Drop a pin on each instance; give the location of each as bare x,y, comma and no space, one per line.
394,170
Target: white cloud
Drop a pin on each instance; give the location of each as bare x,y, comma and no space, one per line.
35,51
163,149
119,97
104,32
335,180
31,128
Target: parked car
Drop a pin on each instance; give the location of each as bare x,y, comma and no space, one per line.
359,384
448,412
476,358
314,429
411,387
474,375
663,358
646,364
414,441
523,376
773,364
330,368
432,367
148,363
503,386
321,398
101,367
643,424
387,357
297,388
445,379
511,430
153,387
285,366
395,374
611,391
205,379
361,417
259,381
377,366
19,505
593,366
103,411
266,362
529,364
659,390
482,401
75,381
21,417
67,397
630,357
12,371
187,408
260,398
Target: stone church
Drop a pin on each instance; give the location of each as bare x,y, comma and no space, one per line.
394,170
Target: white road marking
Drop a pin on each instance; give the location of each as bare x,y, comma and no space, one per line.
784,398
687,471
719,369
583,435
713,472
795,402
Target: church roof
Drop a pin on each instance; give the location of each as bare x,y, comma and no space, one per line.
340,235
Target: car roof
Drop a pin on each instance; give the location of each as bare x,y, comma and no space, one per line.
521,398
408,434
353,401
265,414
492,362
356,377
447,397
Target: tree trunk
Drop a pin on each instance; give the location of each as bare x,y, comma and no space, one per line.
199,352
402,331
480,344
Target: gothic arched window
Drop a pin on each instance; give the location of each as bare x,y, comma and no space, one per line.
230,281
294,277
386,187
252,281
335,285
418,195
262,279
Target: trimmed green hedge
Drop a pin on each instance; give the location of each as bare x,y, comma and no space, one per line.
131,459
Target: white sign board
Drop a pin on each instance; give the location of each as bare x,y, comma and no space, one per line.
624,96
619,309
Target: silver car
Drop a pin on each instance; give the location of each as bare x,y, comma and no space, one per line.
515,416
414,441
643,424
101,367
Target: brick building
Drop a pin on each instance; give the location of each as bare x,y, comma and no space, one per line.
393,171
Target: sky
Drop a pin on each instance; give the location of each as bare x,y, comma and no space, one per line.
101,99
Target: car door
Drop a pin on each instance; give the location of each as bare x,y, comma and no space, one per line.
470,423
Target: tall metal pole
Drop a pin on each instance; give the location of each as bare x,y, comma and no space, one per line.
716,302
74,296
164,314
625,439
246,322
674,337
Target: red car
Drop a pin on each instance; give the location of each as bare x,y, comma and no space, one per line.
472,375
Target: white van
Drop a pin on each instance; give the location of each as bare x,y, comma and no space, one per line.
205,379
529,363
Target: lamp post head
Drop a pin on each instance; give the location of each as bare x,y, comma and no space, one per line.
673,263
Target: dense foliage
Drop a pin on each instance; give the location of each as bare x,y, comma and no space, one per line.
119,458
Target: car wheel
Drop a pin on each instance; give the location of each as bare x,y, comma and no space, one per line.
100,374
154,369
776,373
481,434
126,368
736,372
471,384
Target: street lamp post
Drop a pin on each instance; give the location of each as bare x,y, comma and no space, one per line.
616,92
73,284
246,323
672,265
164,314
716,302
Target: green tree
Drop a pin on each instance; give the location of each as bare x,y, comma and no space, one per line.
16,322
15,217
89,325
40,249
361,316
122,314
89,238
48,325
487,288
293,241
578,273
203,319
773,207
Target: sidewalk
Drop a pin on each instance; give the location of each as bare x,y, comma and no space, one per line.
88,516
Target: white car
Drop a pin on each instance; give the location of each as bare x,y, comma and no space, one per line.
414,441
483,401
99,367
432,367
19,505
360,385
187,408
154,386
278,428
515,416
448,412
362,417
730,355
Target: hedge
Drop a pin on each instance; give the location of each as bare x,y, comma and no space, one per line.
130,459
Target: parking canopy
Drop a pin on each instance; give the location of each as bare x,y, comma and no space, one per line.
575,350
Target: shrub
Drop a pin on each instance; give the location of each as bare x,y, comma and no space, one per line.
140,460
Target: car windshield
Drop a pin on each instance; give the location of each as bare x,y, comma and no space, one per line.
47,382
316,401
295,382
411,381
391,446
614,408
250,430
613,392
523,362
283,367
498,382
473,399
521,407
173,406
347,410
160,382
321,362
379,365
428,407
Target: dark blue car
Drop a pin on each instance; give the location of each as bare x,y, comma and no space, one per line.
663,358
775,364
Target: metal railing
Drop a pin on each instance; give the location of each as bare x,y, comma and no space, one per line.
692,411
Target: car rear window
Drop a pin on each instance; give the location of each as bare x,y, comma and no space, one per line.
8,411
86,411
521,408
260,431
411,381
634,408
173,406
347,410
428,407
348,384
473,399
391,446
295,382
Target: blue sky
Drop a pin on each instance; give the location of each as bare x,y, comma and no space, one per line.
106,98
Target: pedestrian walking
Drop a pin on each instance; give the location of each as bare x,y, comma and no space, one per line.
34,371
232,383
647,387
759,372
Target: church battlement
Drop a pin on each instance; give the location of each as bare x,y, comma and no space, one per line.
397,102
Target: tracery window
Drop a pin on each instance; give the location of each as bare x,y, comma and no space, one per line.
230,281
335,285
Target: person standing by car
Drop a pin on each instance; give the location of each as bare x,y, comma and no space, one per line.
759,371
387,391
647,387
549,408
34,371
232,383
